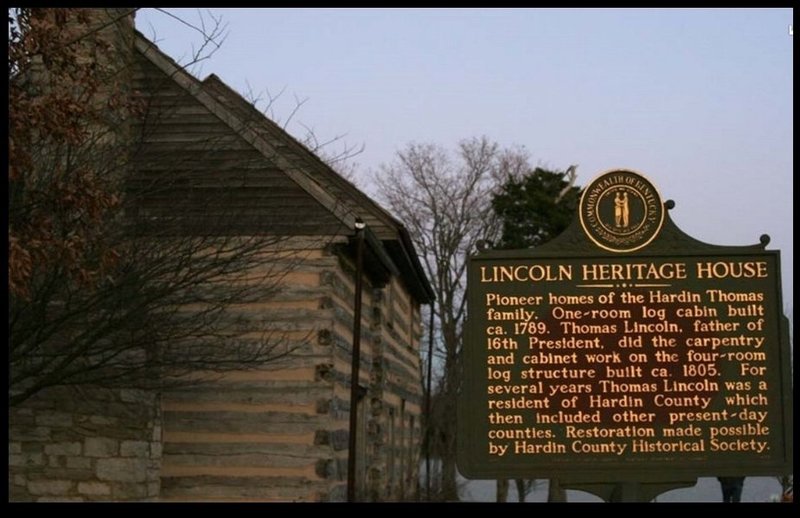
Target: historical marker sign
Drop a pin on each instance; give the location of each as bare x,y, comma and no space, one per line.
625,350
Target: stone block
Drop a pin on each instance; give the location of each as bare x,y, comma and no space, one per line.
63,448
49,487
133,449
156,450
129,491
134,396
22,420
75,475
26,459
100,447
28,433
103,420
33,447
70,434
153,489
57,461
121,470
54,419
94,488
79,463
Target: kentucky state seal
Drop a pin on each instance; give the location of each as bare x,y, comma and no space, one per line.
621,211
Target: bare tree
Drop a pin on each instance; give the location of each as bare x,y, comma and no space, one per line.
444,200
334,151
501,490
122,274
523,487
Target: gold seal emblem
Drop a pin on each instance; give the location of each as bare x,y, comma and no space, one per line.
621,211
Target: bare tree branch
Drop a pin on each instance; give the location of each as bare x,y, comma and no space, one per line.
445,201
339,159
571,175
121,275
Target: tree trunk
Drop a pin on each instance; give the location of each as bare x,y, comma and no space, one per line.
449,485
448,425
555,493
502,490
521,489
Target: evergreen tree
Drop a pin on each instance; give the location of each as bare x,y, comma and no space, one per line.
535,207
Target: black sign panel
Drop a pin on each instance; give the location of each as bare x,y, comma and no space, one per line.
647,366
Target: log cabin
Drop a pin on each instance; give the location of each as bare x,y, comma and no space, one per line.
273,432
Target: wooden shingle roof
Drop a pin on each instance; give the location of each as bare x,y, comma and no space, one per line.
343,200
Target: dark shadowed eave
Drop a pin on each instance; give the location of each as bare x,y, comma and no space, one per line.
411,268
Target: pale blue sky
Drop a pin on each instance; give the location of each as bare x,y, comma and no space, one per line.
698,100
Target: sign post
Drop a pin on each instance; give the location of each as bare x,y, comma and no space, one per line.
624,357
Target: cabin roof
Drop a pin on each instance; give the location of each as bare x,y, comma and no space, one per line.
388,240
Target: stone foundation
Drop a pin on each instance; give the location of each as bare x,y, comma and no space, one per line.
86,444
